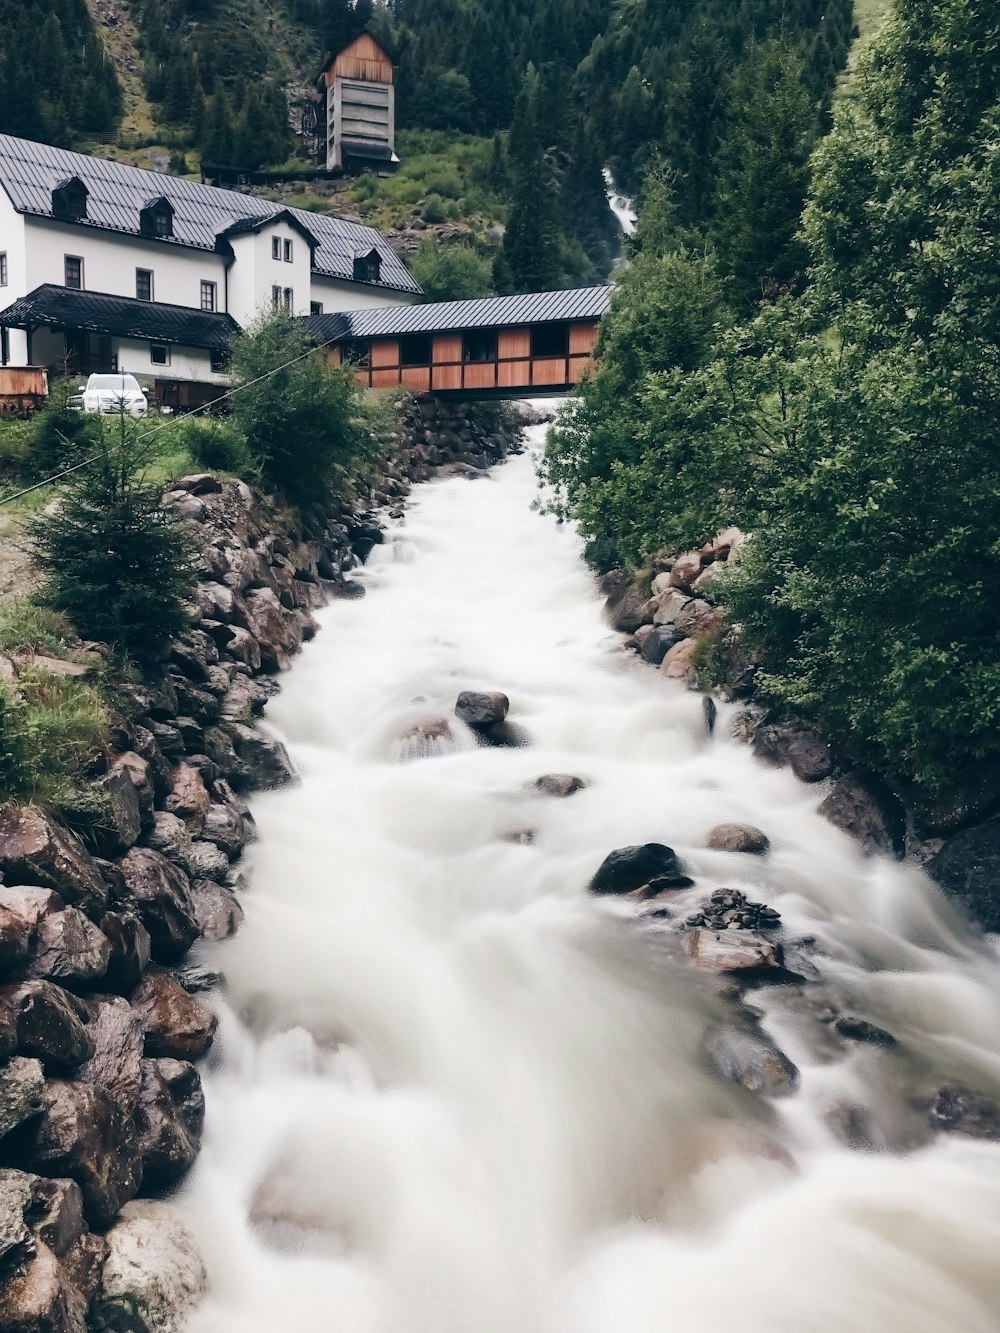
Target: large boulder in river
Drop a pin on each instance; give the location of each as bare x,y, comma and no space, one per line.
153,1276
21,1086
49,1024
481,710
629,868
161,893
867,810
738,838
968,869
558,784
39,1298
169,1116
805,752
175,1024
35,849
70,949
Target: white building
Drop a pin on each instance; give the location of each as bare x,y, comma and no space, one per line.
104,266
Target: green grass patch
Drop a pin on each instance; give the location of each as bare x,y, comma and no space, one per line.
52,731
27,627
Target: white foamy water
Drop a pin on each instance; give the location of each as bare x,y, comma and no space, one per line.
454,1093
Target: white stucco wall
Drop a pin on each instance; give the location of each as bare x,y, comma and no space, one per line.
255,271
186,363
337,295
12,242
111,259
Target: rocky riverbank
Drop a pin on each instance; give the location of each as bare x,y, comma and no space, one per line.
101,1011
673,623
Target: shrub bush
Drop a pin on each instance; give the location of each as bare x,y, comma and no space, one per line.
434,209
218,445
60,436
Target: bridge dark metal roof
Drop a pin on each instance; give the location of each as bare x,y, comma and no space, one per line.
120,316
455,316
118,192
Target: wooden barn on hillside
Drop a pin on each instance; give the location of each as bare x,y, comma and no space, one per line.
359,89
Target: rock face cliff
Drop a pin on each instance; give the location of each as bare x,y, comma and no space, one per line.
102,1015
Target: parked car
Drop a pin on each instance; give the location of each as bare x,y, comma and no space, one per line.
115,393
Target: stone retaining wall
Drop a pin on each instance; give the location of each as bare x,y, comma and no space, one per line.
101,1015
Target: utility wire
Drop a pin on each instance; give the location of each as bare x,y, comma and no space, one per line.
165,425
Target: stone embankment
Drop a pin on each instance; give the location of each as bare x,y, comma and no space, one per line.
102,1012
675,625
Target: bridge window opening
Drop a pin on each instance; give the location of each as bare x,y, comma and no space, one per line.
358,352
415,349
550,340
479,345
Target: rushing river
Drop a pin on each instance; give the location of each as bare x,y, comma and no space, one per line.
454,1093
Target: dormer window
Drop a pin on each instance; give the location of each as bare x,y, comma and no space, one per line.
157,218
69,200
368,267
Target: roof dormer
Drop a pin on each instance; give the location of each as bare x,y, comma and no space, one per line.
69,199
156,217
368,266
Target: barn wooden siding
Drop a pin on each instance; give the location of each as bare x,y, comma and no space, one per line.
362,60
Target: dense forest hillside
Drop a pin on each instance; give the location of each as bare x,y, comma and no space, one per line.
543,94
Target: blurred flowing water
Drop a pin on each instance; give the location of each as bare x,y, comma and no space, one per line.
454,1093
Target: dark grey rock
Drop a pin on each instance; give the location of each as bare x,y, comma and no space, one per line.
867,810
629,868
968,869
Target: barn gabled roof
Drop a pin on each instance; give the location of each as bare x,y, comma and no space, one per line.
117,193
456,316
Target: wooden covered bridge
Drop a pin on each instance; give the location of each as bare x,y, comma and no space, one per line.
528,346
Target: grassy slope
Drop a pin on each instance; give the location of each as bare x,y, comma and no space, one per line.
868,17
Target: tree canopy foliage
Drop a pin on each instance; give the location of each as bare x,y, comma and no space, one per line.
853,429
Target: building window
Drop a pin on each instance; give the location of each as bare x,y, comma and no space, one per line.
208,293
357,352
479,345
288,252
69,200
289,299
315,307
550,340
159,354
275,247
144,284
74,272
157,218
220,360
415,349
275,298
3,268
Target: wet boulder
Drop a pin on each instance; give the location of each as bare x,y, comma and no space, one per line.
628,608
35,849
738,838
70,949
264,759
219,914
138,770
628,868
128,940
559,785
959,1110
867,810
153,1276
226,826
968,869
678,662
170,1114
175,1024
21,1086
15,937
38,1297
747,1055
481,710
657,643
208,861
424,738
189,799
161,894
84,1134
117,1034
49,1024
119,823
853,1028
728,951
805,752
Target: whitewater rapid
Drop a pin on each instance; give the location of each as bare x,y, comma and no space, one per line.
454,1093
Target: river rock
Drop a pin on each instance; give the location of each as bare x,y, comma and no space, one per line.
853,1028
970,798
120,821
481,710
651,864
678,663
738,838
805,752
219,914
16,1197
272,629
226,826
656,644
968,869
698,617
243,647
162,896
265,760
30,902
130,949
84,1134
749,1057
559,785
669,604
39,1298
56,1213
49,1023
169,1117
629,609
153,1276
244,700
21,1085
175,1024
208,861
117,1033
15,937
961,1111
147,748
188,798
685,570
867,810
69,949
730,909
34,849
138,771
733,951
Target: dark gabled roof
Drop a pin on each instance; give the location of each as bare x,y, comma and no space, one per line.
247,226
453,316
120,316
117,193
